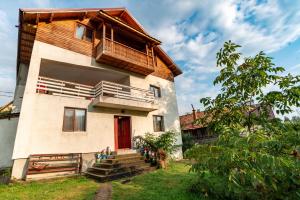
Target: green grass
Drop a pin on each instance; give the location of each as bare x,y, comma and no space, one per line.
59,189
170,184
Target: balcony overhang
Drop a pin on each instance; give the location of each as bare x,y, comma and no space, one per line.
112,102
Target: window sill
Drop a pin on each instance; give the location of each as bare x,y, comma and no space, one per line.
74,132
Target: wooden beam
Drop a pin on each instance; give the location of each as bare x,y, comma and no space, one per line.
83,16
122,13
112,38
104,36
29,33
27,40
112,19
37,18
100,25
112,34
147,54
153,63
51,17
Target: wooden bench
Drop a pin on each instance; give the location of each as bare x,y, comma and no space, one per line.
54,163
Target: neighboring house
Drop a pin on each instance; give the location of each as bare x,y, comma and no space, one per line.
6,108
188,126
88,79
201,132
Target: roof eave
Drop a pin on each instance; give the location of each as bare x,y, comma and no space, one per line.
102,13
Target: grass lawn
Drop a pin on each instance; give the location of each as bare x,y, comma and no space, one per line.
58,189
170,184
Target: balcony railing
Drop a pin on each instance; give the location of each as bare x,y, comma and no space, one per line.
103,88
123,56
64,88
109,89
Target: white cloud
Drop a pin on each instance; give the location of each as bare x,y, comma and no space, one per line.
193,31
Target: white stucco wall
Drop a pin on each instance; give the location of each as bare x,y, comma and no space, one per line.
41,117
20,87
8,129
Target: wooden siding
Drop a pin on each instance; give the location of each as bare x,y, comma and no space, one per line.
161,70
61,34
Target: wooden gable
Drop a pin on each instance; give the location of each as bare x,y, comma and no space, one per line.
57,27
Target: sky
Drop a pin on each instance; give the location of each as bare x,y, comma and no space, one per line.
191,31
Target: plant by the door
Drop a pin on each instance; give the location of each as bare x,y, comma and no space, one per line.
103,154
156,149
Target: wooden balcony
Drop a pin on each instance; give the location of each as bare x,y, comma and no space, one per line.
124,57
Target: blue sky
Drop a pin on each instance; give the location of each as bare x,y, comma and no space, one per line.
192,31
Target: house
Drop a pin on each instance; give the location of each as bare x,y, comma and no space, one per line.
88,79
201,133
6,108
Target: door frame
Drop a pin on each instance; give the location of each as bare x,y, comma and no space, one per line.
116,129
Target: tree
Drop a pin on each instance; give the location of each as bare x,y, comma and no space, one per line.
242,89
264,164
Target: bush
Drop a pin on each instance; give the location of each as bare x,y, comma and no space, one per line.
156,148
258,166
188,141
5,175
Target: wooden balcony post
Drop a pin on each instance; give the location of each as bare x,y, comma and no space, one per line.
152,56
104,36
112,38
147,51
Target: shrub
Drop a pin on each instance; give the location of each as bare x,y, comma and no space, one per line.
5,175
156,147
188,141
258,166
256,156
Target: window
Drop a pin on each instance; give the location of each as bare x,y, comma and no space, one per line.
74,120
155,90
84,33
158,123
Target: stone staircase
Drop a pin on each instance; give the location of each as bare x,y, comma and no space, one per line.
119,166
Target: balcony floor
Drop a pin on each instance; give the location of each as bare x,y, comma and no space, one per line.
112,102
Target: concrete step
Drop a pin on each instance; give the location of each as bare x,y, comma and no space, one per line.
115,165
118,167
127,155
123,159
106,171
118,175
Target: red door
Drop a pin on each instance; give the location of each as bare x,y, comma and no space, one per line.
122,132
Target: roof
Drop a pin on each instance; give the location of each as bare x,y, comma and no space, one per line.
187,121
6,107
119,15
